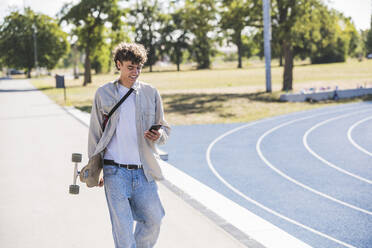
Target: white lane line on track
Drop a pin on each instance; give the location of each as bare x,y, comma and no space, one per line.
258,148
257,203
351,139
304,140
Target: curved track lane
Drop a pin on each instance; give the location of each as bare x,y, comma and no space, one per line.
298,171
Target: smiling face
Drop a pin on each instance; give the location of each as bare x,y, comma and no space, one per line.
129,72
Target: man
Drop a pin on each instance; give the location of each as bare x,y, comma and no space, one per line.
130,163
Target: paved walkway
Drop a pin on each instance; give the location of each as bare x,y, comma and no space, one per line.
37,139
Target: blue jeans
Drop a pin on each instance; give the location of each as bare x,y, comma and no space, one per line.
131,197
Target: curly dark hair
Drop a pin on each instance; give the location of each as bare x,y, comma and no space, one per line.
130,52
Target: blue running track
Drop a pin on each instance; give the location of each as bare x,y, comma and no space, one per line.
309,173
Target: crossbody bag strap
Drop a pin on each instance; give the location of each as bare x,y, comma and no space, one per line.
107,117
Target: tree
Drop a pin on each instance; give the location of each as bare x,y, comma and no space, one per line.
100,57
326,36
175,36
236,15
17,41
147,21
288,14
89,18
334,39
200,19
369,40
352,36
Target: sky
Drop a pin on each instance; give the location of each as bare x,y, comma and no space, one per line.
359,10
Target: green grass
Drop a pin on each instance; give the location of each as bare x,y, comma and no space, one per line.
224,94
184,109
346,75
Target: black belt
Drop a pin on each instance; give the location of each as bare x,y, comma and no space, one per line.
128,166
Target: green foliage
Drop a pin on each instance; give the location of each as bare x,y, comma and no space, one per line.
2,64
309,29
352,37
175,36
236,15
100,58
334,37
113,38
89,18
66,61
200,19
147,21
17,40
368,42
250,47
287,18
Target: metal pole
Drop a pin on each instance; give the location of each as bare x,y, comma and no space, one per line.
267,38
35,51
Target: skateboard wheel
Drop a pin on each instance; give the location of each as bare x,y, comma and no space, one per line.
76,157
74,189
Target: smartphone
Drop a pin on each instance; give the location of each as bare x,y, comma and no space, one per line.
155,127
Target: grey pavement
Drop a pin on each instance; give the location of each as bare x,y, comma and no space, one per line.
36,210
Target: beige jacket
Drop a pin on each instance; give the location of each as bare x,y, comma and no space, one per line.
149,111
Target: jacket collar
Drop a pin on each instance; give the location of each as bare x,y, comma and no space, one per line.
135,86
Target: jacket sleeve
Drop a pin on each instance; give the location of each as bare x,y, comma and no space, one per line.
95,126
159,117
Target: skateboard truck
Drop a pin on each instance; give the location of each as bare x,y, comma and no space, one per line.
74,188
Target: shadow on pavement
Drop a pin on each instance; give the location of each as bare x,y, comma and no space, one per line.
41,89
13,90
5,78
203,103
85,108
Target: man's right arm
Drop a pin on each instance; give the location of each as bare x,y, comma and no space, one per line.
95,126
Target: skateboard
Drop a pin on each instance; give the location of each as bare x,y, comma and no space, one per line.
74,188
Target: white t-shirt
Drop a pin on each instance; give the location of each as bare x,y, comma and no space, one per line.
123,147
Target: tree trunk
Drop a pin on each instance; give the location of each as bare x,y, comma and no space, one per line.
281,60
29,72
110,62
239,45
178,59
288,66
203,61
202,53
204,64
87,74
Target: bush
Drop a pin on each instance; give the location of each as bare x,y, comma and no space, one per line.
331,53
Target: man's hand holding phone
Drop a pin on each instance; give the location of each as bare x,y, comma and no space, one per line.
153,133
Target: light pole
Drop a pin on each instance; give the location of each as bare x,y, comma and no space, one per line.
267,38
35,49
